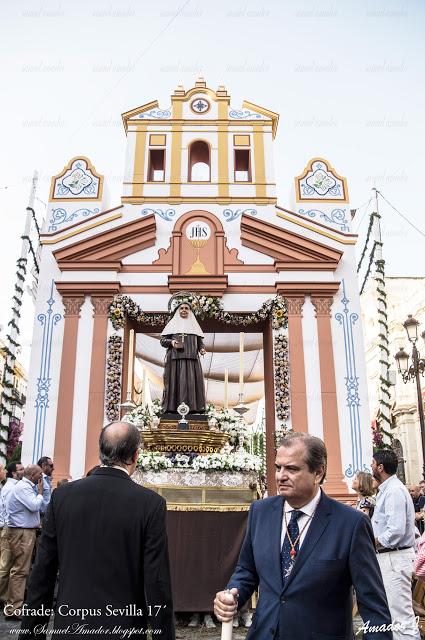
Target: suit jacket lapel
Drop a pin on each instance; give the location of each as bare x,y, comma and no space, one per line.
276,516
317,526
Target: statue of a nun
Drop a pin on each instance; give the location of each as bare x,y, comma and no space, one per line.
183,377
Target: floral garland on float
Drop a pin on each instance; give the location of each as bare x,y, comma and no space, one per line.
113,377
203,307
281,385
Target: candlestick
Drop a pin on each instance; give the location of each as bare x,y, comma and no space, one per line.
227,630
130,364
226,388
241,368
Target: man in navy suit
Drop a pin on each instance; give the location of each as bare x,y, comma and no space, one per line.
305,552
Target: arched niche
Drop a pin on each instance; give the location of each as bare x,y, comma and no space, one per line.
198,244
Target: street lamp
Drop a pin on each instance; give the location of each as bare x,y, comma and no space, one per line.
412,372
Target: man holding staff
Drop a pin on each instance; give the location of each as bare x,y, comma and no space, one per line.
305,552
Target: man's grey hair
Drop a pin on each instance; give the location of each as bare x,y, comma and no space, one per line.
118,447
316,454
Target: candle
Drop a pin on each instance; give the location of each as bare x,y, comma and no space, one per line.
241,343
226,388
130,364
143,398
227,630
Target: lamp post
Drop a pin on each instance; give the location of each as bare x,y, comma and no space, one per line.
412,372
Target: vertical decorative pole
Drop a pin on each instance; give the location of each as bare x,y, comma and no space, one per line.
10,349
384,392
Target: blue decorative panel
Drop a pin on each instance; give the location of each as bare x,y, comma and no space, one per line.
48,321
244,114
347,320
166,215
231,215
61,217
320,181
335,217
79,181
155,114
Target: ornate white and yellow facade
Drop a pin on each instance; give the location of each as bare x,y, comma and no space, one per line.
200,166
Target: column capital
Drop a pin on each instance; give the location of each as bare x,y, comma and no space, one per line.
101,305
294,305
72,305
322,305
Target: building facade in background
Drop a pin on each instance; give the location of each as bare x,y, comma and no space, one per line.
404,296
199,214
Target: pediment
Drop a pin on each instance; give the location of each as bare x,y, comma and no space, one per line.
106,250
289,250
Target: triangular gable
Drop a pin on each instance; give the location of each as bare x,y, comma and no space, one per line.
107,249
289,250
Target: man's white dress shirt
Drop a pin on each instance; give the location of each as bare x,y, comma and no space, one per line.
24,506
307,510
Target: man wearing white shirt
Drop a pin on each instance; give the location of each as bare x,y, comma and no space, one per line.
2,479
24,519
394,529
15,472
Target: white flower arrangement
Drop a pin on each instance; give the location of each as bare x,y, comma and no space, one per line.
154,461
238,461
228,422
142,415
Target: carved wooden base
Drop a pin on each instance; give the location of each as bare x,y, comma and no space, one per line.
169,440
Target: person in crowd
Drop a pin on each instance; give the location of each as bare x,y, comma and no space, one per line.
15,472
23,509
306,552
394,529
418,502
419,564
363,486
2,479
415,493
108,536
422,486
62,482
47,466
195,621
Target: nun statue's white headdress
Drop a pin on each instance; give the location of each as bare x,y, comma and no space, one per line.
187,326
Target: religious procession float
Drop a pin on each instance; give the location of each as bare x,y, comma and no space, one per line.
198,456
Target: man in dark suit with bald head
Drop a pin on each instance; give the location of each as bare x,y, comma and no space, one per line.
107,537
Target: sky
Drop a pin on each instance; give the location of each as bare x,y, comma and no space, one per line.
346,78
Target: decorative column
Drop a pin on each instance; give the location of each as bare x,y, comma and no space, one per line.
96,410
334,477
62,450
269,390
297,382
